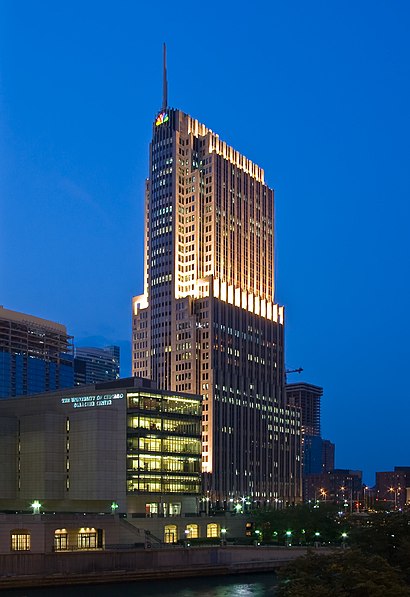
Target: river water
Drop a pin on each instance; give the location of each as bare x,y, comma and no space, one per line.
244,585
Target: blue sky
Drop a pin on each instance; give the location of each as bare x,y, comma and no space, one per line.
317,93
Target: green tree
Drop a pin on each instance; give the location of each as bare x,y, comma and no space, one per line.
387,535
304,522
350,573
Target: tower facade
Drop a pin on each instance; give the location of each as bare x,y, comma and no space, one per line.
207,321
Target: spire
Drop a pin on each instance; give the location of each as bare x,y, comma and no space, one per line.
164,81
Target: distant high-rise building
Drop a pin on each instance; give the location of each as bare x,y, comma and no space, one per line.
36,355
312,454
318,454
307,397
328,455
338,485
394,486
208,322
94,365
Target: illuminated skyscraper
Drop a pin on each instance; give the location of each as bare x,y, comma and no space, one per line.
207,321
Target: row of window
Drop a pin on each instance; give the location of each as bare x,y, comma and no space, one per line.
89,538
172,533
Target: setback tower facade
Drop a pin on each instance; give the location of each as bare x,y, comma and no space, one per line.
207,322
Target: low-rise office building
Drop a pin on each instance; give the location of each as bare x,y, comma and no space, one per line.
122,446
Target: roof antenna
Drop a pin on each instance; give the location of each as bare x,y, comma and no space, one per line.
164,81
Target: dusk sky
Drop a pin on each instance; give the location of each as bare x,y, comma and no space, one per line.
316,93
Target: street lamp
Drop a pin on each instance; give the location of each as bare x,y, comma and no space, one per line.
288,538
186,532
365,488
114,507
223,536
396,491
35,506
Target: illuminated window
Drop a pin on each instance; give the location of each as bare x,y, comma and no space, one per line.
213,530
193,532
60,539
89,539
152,509
150,444
170,533
20,540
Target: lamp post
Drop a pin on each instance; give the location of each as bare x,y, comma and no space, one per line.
35,506
223,537
391,489
396,491
365,496
114,506
186,532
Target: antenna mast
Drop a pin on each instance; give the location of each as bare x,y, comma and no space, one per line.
164,81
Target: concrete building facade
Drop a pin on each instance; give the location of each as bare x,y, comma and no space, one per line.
123,446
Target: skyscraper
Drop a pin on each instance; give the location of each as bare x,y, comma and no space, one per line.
207,321
307,397
35,355
93,365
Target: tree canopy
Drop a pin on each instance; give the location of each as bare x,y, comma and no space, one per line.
376,563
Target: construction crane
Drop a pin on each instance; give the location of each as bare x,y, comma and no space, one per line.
299,370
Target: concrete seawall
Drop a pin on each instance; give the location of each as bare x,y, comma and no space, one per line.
24,569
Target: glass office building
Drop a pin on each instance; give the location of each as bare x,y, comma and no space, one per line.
36,355
93,365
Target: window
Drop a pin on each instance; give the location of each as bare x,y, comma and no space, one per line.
212,530
88,539
20,540
60,539
151,509
192,531
170,533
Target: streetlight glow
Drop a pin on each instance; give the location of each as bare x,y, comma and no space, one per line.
36,507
